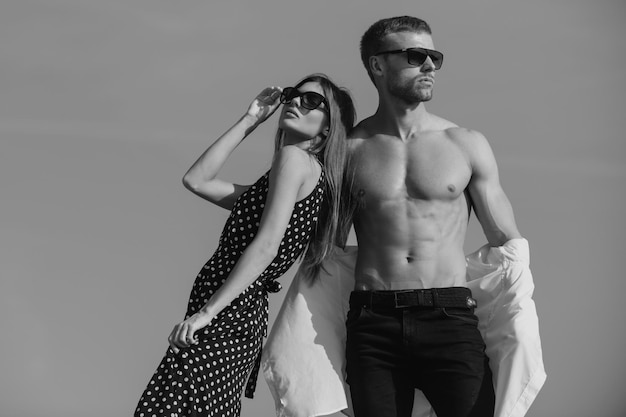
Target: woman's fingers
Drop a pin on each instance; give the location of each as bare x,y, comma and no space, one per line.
275,93
171,340
184,334
270,94
190,337
178,337
265,103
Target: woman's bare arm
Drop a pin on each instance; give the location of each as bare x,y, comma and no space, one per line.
290,169
201,179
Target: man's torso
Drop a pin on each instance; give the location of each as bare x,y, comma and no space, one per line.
411,208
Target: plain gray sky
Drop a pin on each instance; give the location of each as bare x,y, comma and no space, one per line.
105,104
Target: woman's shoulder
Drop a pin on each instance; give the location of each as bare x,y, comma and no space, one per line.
292,151
295,161
297,167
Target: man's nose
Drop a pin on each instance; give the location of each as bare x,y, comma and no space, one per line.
428,65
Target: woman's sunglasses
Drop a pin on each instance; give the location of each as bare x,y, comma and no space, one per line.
417,56
310,100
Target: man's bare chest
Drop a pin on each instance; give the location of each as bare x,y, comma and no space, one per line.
426,170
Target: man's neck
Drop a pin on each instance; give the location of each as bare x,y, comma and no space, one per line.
400,119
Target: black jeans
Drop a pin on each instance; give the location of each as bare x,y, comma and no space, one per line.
392,351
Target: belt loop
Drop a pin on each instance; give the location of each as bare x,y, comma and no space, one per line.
420,298
435,298
370,300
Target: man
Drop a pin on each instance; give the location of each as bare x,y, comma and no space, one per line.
411,322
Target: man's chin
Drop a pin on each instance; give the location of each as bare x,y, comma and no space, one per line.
424,94
416,99
426,97
413,96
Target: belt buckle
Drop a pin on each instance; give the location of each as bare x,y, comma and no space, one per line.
398,303
470,302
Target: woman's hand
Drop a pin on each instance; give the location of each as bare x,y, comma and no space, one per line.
265,104
183,334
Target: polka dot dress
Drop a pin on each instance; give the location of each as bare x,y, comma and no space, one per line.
207,379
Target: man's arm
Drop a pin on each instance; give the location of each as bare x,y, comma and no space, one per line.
492,207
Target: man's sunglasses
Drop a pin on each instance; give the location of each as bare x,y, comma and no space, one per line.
417,56
310,100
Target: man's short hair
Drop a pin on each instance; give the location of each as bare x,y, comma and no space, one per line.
373,38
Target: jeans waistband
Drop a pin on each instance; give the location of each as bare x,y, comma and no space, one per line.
452,297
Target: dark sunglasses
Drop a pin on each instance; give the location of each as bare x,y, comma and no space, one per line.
310,100
417,56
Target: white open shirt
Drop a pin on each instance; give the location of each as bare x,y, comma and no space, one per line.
304,357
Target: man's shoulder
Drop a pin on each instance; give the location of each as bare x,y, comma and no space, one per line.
361,130
438,123
367,129
464,136
440,126
472,144
360,133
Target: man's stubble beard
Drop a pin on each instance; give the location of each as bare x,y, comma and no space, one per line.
411,94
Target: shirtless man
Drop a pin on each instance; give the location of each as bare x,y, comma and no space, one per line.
411,322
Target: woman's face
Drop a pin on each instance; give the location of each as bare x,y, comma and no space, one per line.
300,123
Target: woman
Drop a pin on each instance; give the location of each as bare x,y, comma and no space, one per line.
294,206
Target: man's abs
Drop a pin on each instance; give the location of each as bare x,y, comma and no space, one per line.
411,244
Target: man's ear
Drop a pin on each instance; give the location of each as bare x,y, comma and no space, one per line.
375,65
325,131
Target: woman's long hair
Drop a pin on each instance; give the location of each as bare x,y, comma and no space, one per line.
333,223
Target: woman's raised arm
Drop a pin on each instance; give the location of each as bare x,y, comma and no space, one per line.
290,170
201,179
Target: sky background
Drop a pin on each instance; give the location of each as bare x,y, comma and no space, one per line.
105,104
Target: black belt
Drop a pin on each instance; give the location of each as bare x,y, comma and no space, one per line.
453,297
